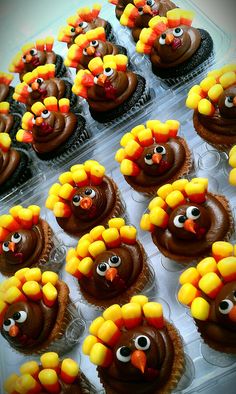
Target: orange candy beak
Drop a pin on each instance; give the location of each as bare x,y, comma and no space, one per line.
189,225
102,79
14,331
147,9
232,314
35,85
38,121
139,360
12,246
169,39
111,274
28,58
156,158
79,30
86,203
234,101
90,50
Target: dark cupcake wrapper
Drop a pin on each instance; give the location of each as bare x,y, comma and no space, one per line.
109,33
14,105
71,96
61,70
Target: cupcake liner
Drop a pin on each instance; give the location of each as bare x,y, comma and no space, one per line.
121,50
14,105
74,105
123,111
61,70
229,349
109,33
86,386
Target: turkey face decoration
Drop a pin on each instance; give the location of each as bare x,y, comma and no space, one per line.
227,103
6,119
156,159
19,246
88,202
5,88
225,306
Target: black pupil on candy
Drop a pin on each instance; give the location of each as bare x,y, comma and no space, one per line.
163,36
108,69
182,219
125,351
32,52
81,24
224,305
234,293
177,30
88,192
230,99
6,244
195,212
140,9
76,198
142,341
16,315
39,80
7,322
16,235
72,30
102,267
149,2
114,259
45,111
159,149
93,42
148,156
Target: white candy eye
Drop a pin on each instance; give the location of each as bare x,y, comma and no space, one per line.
8,324
108,71
90,193
72,31
96,79
5,247
179,221
33,52
150,3
178,32
160,149
16,237
140,10
229,102
76,200
114,261
123,354
23,59
225,306
148,159
142,342
85,52
162,39
102,269
20,317
94,43
83,25
39,80
193,213
45,114
29,89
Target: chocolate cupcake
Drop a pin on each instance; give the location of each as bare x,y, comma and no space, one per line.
214,104
90,45
185,220
136,16
174,46
33,55
6,92
113,267
9,122
210,291
120,6
154,155
36,312
15,166
62,376
52,129
109,88
135,349
42,83
86,19
85,198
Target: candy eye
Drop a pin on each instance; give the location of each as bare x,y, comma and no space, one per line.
90,193
114,261
108,71
140,10
123,354
148,159
162,39
76,200
193,213
29,89
33,52
85,52
39,80
229,102
45,114
5,247
225,306
24,59
160,149
142,342
150,3
20,317
179,221
94,43
72,30
102,269
95,80
178,32
83,25
8,324
16,238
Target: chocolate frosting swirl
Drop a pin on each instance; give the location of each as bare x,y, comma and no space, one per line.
41,58
9,161
53,87
6,123
4,91
98,22
102,49
120,6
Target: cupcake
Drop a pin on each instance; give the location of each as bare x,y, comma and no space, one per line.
84,198
89,45
42,83
86,19
120,6
52,129
26,240
6,92
135,349
9,122
136,16
62,376
109,263
33,55
214,104
185,220
109,88
210,291
175,48
154,155
14,166
35,312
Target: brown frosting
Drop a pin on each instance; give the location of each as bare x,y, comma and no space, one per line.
54,131
101,49
4,91
40,58
9,161
117,89
47,88
6,123
86,26
103,202
123,377
213,225
179,51
120,6
220,329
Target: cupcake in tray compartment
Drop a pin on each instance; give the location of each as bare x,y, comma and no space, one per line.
85,19
185,219
175,47
37,314
210,291
135,349
110,89
84,198
6,92
214,105
153,155
9,122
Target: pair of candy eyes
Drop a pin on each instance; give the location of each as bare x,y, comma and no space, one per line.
93,43
142,342
88,192
107,71
16,238
83,25
192,213
178,32
18,317
113,262
225,306
44,114
158,149
151,3
33,52
38,80
229,102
